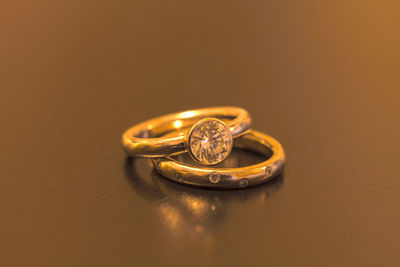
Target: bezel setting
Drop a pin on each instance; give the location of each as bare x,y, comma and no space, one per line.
209,141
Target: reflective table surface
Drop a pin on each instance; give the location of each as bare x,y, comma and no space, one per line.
322,78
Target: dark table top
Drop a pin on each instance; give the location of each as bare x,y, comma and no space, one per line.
323,78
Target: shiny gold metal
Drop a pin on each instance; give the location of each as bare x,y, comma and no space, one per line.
229,177
143,140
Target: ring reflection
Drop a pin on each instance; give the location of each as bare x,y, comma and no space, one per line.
190,212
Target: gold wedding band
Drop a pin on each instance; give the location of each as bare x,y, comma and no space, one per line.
143,140
208,135
229,177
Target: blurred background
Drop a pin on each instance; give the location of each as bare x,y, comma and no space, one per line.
320,76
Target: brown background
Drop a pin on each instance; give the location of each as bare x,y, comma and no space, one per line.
323,78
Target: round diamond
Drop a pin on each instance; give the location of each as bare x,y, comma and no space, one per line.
268,171
243,182
210,141
214,177
178,177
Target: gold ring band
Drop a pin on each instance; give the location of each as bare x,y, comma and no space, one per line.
143,139
229,177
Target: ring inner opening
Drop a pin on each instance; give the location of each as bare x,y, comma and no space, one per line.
248,150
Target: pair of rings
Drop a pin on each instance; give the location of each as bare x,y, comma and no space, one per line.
208,135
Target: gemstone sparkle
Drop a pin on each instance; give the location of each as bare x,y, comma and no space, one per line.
214,177
210,141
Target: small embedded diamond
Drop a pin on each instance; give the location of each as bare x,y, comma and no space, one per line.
268,171
243,182
214,177
157,163
178,177
210,141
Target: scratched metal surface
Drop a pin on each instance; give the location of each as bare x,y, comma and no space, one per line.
323,78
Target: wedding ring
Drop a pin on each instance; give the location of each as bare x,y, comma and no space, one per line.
238,177
209,141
